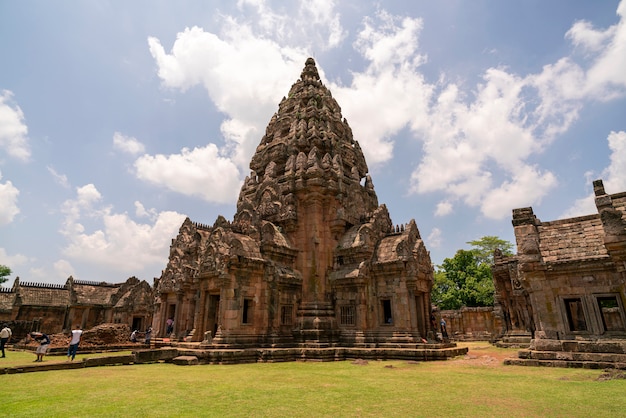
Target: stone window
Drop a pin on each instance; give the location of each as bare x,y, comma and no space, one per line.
385,305
575,314
286,314
246,314
611,313
347,315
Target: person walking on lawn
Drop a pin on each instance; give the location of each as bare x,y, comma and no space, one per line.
73,348
44,343
5,336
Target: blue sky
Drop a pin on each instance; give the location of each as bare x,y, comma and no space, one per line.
118,119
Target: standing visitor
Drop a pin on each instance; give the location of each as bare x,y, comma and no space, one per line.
44,343
148,335
444,330
170,326
5,336
73,348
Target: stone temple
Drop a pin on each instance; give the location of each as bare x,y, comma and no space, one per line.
565,289
310,256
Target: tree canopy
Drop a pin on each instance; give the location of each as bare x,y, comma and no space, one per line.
466,278
4,273
484,247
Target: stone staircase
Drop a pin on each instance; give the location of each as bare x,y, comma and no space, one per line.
603,354
514,340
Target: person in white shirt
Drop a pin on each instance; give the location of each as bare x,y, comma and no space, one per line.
73,348
5,336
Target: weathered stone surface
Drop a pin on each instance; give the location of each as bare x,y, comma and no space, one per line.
54,309
566,285
185,360
310,256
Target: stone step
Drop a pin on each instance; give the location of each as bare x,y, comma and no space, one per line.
571,356
564,363
520,339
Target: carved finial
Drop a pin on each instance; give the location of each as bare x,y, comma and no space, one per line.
598,188
310,71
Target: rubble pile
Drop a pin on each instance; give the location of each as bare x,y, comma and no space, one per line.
98,336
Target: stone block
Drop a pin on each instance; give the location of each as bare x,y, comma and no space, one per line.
185,360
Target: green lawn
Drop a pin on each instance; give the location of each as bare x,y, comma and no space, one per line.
474,386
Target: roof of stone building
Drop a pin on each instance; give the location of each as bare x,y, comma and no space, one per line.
388,248
36,294
92,293
245,246
572,239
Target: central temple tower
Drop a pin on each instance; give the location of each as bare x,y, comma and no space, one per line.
310,256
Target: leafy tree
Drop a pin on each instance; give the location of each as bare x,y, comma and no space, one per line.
4,273
463,281
466,279
485,246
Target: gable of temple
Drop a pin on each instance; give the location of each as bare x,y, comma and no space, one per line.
310,255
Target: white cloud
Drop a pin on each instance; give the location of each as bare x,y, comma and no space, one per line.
142,212
59,178
390,45
199,172
528,186
63,269
121,244
480,145
13,129
435,238
313,22
443,208
606,79
222,66
612,177
12,261
127,144
479,142
8,197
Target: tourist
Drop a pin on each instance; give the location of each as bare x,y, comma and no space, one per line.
444,330
133,336
148,335
170,326
44,343
5,336
73,348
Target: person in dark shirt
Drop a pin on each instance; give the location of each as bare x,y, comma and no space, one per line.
44,343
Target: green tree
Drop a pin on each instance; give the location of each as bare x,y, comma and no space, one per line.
484,247
463,281
466,279
4,273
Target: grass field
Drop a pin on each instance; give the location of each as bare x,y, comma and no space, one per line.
476,385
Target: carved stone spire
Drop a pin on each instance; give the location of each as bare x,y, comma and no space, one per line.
309,124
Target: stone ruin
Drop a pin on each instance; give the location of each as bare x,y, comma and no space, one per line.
55,308
564,292
310,259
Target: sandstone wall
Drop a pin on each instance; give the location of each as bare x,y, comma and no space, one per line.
472,324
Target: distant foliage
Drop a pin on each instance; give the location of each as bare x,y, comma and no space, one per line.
4,273
466,279
483,248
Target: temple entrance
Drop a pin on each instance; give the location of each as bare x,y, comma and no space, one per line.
213,312
137,323
420,311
